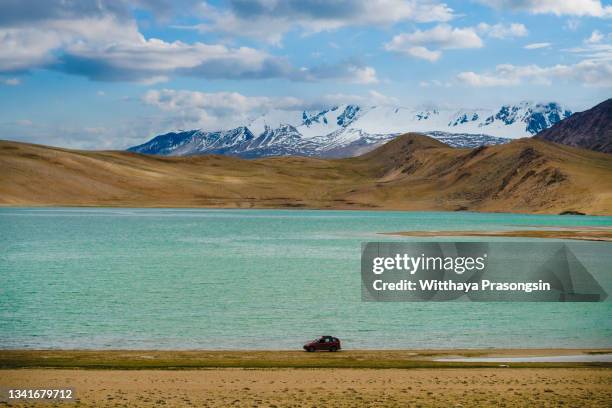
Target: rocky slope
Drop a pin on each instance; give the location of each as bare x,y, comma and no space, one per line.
591,129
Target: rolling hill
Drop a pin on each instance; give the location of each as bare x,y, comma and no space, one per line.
412,172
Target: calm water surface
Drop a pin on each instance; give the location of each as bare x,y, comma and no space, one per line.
252,279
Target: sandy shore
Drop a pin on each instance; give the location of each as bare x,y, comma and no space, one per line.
493,387
579,233
293,378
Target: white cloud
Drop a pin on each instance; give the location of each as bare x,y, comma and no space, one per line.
580,8
184,109
587,72
594,52
597,47
442,36
419,43
234,103
483,80
153,61
423,53
373,98
502,31
269,20
110,49
596,37
364,75
537,46
28,46
435,83
102,42
122,134
428,44
215,110
23,49
350,71
217,102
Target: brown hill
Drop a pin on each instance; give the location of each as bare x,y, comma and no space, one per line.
412,172
591,129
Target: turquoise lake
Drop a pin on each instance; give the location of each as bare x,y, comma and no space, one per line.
253,279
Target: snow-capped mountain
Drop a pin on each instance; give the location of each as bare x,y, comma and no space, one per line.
350,130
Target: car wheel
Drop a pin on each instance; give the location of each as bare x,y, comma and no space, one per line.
310,349
333,348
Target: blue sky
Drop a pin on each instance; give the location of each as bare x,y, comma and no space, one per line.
110,74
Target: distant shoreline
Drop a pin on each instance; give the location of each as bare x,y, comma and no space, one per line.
577,233
286,208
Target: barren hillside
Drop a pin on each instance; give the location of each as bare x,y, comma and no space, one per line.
412,172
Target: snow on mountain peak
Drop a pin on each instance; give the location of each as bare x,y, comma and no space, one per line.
348,129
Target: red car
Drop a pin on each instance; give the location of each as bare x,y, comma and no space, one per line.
323,343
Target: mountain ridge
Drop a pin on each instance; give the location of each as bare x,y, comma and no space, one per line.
350,130
590,129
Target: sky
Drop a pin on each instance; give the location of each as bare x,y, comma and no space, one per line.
98,74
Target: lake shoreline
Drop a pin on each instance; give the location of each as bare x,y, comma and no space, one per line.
247,205
268,359
577,233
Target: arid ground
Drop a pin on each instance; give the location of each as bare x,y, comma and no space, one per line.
493,387
412,172
268,379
